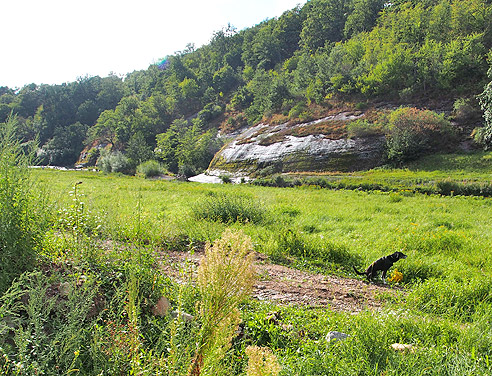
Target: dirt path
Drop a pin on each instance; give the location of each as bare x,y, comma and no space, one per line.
284,285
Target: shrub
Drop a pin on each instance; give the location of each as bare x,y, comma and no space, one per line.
297,110
49,331
465,111
227,209
150,169
20,227
114,162
413,133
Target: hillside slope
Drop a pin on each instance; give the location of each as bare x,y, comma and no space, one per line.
285,69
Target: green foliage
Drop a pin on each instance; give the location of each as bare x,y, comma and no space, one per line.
114,162
445,314
229,209
456,299
21,218
138,150
413,133
150,169
406,50
363,128
185,148
449,188
48,331
324,24
312,249
484,135
363,17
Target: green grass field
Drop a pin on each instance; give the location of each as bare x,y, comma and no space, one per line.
444,309
437,232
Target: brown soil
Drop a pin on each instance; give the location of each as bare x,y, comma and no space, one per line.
283,285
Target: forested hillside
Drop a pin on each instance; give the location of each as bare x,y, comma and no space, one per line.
292,67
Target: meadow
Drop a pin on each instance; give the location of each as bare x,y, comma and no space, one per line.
106,234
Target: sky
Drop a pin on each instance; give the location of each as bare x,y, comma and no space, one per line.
56,41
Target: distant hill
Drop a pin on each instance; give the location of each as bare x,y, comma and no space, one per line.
329,55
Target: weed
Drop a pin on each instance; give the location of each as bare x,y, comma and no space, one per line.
225,278
21,218
451,298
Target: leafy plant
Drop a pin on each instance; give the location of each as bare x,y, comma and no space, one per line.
413,133
21,218
150,169
114,162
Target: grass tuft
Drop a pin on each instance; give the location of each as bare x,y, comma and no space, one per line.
227,208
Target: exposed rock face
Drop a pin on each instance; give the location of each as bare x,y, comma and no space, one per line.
281,147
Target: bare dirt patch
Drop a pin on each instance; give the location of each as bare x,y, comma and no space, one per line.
283,285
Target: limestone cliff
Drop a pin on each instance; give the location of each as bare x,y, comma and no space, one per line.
320,145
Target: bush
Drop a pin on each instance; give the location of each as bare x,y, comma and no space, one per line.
150,169
413,133
227,209
465,111
114,162
20,227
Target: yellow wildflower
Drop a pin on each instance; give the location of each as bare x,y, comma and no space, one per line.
396,276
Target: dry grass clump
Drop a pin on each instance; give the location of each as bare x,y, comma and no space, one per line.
225,278
262,362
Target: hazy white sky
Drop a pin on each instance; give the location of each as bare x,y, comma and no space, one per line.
55,41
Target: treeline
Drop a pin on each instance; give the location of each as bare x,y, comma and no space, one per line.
172,110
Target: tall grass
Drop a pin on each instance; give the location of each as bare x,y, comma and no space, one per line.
225,278
21,223
229,208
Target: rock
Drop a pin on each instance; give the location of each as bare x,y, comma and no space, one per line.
336,336
402,347
162,306
261,146
186,317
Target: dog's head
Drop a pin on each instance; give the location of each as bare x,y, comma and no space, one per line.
398,255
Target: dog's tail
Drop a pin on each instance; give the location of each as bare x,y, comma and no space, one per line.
359,273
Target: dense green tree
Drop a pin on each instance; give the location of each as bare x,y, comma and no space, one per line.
362,17
168,143
65,146
137,150
400,49
484,135
324,23
225,79
185,148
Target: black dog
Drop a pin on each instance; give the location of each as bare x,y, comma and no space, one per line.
384,263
